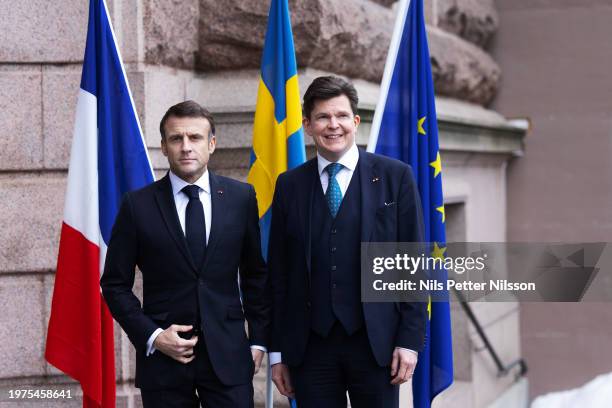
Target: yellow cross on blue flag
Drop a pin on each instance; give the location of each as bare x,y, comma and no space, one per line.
278,137
404,127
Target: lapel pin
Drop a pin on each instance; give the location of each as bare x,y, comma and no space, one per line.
375,179
220,192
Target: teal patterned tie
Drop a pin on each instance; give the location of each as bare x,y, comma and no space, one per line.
333,195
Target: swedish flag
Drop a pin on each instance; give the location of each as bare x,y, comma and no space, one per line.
404,127
278,137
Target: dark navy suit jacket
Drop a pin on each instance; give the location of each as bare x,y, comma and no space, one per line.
147,234
390,212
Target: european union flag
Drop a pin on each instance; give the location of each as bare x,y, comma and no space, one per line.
405,128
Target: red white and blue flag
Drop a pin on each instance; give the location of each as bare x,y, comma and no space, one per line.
108,158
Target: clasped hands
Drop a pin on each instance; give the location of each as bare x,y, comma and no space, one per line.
171,344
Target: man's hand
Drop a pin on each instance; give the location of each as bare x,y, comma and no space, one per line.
402,365
169,343
257,358
280,376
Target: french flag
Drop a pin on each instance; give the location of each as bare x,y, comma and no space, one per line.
108,158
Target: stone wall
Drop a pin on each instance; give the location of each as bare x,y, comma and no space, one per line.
348,37
556,57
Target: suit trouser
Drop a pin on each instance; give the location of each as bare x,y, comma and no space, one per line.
206,390
339,363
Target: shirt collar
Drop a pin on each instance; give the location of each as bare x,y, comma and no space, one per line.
348,159
178,183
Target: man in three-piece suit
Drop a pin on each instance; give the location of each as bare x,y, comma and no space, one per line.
325,341
189,234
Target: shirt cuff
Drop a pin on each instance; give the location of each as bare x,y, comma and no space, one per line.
410,350
262,348
275,358
150,347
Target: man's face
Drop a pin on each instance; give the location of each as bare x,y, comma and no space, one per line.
333,126
187,146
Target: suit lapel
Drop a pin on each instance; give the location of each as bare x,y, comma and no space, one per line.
305,208
370,189
167,207
218,202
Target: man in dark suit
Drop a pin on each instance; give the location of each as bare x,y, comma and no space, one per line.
325,341
191,234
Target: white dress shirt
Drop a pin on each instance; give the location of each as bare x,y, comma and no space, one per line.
343,177
180,201
345,174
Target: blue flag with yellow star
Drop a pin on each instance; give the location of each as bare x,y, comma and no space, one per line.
405,128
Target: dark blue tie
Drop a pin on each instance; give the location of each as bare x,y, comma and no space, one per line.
195,224
333,195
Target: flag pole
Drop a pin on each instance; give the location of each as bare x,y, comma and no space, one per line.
269,401
398,29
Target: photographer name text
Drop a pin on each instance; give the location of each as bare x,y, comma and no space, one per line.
434,285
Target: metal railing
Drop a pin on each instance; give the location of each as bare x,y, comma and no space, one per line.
502,370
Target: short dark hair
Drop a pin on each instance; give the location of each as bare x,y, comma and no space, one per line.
327,87
187,109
